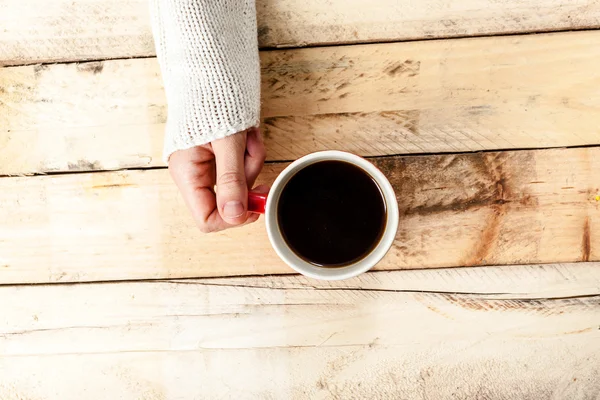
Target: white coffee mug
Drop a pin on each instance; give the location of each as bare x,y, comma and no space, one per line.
267,204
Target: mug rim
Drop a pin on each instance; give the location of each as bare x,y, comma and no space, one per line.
331,273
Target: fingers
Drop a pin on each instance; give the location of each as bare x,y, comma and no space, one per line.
232,186
193,171
232,164
255,155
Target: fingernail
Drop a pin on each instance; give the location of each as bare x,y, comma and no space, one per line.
233,209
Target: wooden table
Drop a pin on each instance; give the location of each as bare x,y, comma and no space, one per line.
490,136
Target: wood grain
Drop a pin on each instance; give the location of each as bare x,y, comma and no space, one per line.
67,30
438,96
529,332
456,210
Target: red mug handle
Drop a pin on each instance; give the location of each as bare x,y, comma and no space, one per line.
257,202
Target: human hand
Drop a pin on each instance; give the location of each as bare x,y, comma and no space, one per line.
232,164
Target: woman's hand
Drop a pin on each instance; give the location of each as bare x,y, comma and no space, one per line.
232,164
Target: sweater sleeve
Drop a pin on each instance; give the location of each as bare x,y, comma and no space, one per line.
208,54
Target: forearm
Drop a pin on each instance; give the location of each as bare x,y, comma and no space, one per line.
208,53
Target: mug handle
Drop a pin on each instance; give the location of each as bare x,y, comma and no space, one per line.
257,202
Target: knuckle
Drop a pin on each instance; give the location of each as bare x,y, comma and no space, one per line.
231,179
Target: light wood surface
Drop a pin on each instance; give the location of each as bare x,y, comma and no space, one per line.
67,30
437,96
108,291
456,210
530,332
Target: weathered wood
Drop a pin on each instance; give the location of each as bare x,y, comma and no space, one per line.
438,96
456,210
527,332
67,30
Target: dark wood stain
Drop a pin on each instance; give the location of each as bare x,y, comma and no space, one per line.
448,23
493,167
528,200
263,33
584,330
408,67
489,237
84,165
38,69
395,69
482,183
268,124
549,306
586,241
479,178
94,67
458,206
407,121
480,110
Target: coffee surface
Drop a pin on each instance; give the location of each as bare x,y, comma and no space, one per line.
331,213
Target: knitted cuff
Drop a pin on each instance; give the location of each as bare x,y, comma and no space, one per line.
208,53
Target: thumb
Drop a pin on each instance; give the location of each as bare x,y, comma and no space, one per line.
232,188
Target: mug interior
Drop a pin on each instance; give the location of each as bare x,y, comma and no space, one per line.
331,273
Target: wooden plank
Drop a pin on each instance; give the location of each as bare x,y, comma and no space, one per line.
66,30
62,30
438,96
528,332
456,210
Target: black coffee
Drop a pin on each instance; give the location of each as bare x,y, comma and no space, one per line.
331,213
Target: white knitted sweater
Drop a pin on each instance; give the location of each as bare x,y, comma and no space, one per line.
208,53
